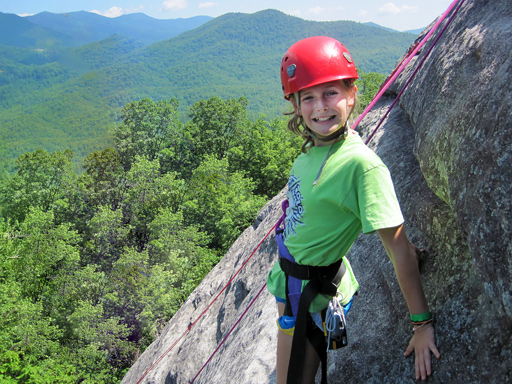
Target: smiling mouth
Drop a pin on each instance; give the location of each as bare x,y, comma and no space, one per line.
323,119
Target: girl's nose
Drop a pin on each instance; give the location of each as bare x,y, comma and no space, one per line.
321,106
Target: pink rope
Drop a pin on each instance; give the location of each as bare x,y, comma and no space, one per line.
403,65
414,73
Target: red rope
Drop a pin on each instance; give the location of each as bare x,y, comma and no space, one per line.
207,308
229,333
409,53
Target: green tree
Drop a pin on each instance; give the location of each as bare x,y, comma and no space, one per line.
183,249
217,125
109,235
220,202
40,180
93,266
146,128
44,252
140,200
369,84
35,260
266,155
100,343
104,179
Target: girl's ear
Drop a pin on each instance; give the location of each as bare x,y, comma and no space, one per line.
295,107
352,96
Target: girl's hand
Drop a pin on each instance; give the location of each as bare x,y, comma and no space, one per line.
423,343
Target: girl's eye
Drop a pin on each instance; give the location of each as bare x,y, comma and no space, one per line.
306,98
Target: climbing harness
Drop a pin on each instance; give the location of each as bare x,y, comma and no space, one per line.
321,280
334,333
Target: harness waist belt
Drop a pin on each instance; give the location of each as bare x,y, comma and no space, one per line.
310,272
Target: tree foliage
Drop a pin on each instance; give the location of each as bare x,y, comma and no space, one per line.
146,128
369,84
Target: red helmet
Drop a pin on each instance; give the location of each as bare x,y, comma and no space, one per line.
313,61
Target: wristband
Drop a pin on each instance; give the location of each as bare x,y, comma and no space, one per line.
422,316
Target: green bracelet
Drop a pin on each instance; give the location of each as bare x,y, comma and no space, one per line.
422,316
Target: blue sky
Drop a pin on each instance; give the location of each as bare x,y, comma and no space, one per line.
397,14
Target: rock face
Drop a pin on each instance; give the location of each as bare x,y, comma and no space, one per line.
448,147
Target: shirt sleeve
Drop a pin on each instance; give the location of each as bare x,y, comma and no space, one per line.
378,205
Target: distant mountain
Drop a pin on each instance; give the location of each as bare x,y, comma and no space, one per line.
50,31
99,54
413,31
239,54
16,31
69,99
86,27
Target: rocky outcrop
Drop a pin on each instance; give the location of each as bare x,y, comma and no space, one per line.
448,147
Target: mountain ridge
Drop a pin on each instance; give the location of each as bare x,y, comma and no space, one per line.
18,32
47,30
234,55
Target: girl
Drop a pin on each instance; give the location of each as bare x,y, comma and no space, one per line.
337,188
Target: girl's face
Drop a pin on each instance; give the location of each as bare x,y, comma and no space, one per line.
325,107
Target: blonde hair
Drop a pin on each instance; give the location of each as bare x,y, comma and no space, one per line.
296,123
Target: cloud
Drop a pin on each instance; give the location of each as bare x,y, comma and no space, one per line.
174,5
208,5
112,12
392,9
316,10
389,8
25,14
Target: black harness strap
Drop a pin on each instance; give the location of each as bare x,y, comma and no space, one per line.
323,280
310,272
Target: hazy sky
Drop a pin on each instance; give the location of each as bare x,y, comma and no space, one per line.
397,14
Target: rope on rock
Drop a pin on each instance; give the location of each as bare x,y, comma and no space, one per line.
396,72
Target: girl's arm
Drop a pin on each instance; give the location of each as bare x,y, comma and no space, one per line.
404,258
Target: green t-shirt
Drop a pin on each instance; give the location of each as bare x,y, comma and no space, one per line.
354,192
